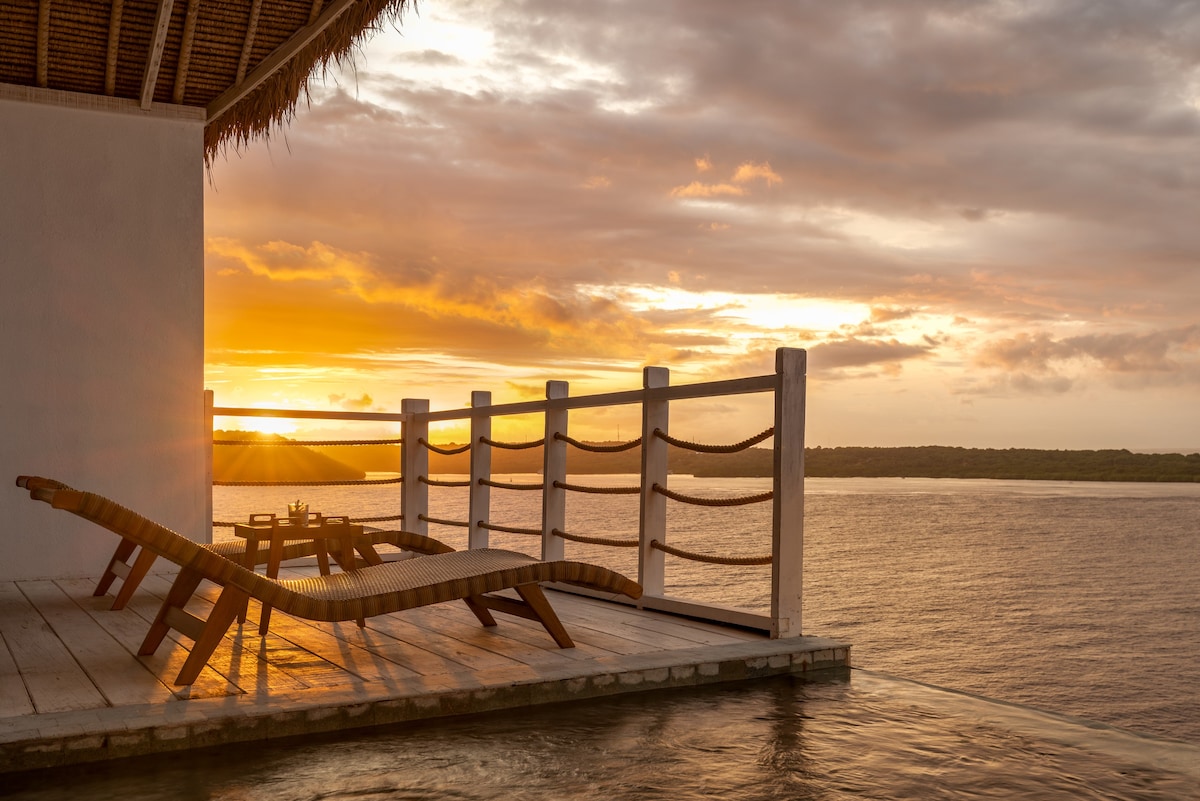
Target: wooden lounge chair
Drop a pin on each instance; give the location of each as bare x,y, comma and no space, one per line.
470,576
132,569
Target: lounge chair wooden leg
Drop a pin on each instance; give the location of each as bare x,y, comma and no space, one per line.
121,556
532,594
219,620
141,566
532,606
476,605
181,591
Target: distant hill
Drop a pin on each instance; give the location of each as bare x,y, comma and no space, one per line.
933,461
930,461
275,463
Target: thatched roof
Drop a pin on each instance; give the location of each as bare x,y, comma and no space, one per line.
245,62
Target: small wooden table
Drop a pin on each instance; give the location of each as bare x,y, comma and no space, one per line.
277,531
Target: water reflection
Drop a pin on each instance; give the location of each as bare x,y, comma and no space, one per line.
863,737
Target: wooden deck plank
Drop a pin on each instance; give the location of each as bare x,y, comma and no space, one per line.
254,664
619,626
323,654
54,681
581,619
524,641
653,623
116,672
470,656
14,698
622,620
688,628
315,677
530,633
129,626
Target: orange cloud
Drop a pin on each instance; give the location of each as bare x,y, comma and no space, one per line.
750,171
697,189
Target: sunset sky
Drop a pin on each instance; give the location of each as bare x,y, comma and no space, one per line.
982,219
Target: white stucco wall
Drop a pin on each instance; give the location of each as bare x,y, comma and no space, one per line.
101,327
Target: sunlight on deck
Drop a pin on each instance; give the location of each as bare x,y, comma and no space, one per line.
74,690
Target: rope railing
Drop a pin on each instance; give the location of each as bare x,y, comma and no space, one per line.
533,532
698,448
349,483
560,518
585,446
613,542
710,558
439,482
698,501
383,519
314,443
444,451
508,485
513,446
597,490
443,522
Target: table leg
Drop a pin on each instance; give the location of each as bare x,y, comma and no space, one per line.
272,572
249,561
346,548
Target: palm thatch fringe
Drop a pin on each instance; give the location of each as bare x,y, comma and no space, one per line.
273,104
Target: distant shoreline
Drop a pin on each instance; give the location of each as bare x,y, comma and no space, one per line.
931,461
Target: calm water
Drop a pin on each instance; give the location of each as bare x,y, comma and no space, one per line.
1058,623
1077,598
869,737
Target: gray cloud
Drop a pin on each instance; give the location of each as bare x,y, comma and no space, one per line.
1024,166
863,353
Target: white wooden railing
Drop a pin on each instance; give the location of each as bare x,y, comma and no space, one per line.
655,397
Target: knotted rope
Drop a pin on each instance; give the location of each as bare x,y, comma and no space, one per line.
610,541
709,558
376,519
597,490
441,522
697,501
437,482
535,532
487,482
583,446
695,446
442,450
513,446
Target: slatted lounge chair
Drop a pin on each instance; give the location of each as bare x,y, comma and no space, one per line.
470,576
132,569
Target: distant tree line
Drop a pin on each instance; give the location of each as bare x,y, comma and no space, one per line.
934,461
930,461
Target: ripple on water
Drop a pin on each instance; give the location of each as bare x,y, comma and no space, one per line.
868,737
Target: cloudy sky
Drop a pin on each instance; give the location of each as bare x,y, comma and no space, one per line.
979,218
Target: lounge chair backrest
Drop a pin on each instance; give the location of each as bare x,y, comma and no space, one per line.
153,537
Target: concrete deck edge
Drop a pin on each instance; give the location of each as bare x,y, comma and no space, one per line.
43,741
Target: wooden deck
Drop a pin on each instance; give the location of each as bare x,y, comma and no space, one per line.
73,690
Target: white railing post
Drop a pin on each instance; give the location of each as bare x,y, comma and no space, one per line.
479,505
207,529
554,468
787,526
414,463
652,518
